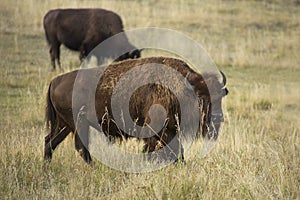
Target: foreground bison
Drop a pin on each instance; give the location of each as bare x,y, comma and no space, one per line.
82,30
60,113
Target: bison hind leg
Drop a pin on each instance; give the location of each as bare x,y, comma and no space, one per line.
53,140
82,135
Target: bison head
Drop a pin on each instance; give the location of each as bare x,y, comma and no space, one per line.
130,55
210,92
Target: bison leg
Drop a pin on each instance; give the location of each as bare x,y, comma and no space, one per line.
55,55
58,57
81,141
82,150
164,149
52,140
52,58
82,54
85,49
174,150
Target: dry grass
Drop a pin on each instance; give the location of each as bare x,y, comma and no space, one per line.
256,43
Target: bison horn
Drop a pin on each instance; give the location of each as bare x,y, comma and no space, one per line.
224,79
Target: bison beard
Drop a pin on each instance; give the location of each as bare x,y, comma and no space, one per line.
60,116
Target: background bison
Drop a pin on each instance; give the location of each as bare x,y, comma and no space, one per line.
61,114
82,30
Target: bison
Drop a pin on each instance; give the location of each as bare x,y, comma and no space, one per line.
65,111
82,30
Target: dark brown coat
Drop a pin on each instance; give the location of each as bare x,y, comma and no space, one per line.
82,30
60,113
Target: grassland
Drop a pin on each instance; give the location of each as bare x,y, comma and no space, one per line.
256,43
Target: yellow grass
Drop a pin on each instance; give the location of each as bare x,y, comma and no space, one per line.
256,44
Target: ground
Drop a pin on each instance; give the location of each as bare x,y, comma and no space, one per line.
256,43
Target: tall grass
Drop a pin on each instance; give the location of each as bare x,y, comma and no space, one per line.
255,43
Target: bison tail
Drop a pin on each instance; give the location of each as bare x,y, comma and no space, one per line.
50,112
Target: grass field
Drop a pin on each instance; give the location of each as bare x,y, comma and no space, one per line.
256,43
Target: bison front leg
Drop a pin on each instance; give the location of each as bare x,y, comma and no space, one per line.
82,150
164,150
55,55
83,53
82,135
173,150
52,57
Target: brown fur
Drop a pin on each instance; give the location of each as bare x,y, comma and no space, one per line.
81,30
60,113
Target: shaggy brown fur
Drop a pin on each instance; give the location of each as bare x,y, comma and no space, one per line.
82,30
60,114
